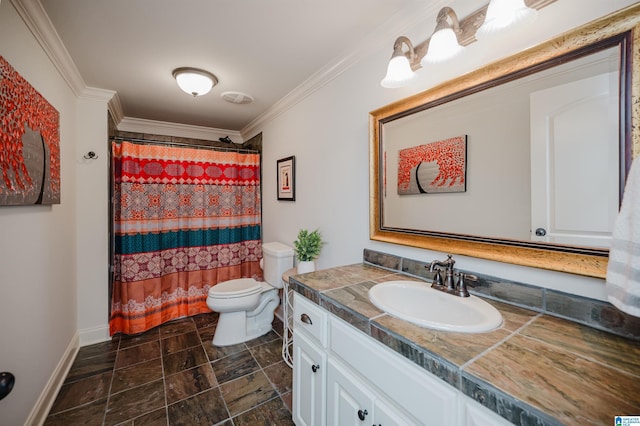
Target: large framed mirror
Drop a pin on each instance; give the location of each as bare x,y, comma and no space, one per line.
523,161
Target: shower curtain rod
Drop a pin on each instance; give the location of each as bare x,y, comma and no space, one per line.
212,147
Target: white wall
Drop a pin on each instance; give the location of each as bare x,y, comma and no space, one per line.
328,134
92,217
38,244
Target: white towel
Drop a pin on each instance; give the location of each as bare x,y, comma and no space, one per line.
623,272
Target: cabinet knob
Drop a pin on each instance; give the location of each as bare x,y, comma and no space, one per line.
362,414
315,368
306,319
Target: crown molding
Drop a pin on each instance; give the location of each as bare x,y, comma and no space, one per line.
137,125
115,108
399,23
36,19
38,22
95,94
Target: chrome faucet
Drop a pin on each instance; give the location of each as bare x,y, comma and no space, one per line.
454,282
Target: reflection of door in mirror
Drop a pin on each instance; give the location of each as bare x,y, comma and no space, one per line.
574,161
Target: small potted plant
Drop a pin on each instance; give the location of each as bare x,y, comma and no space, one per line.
307,248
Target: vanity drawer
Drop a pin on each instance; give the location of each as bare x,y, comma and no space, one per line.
311,318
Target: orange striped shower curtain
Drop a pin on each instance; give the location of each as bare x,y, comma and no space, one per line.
185,219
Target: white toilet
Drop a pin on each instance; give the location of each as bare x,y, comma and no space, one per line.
247,306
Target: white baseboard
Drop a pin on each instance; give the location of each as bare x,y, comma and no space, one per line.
89,336
41,409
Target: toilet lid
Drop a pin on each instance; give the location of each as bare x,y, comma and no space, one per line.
236,288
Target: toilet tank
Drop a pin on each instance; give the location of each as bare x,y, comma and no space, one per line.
277,259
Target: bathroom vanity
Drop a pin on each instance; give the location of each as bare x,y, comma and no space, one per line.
354,364
352,379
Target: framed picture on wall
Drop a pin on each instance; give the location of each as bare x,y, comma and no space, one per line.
29,143
287,179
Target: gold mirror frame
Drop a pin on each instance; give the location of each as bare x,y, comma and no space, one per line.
624,24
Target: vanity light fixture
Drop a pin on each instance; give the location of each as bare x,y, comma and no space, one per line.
399,71
504,14
444,43
451,35
194,81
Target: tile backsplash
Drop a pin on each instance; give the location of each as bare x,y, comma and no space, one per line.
591,312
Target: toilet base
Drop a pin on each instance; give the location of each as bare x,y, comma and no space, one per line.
230,337
241,326
231,328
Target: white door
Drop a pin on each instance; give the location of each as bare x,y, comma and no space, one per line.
309,378
574,162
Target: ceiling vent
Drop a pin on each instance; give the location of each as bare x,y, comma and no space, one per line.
237,97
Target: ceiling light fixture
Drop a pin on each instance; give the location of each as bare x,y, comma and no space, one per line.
450,36
504,14
194,81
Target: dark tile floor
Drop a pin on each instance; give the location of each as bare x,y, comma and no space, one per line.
173,375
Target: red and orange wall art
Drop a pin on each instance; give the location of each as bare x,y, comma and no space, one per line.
29,143
434,167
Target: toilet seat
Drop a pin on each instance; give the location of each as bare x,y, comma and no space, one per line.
235,288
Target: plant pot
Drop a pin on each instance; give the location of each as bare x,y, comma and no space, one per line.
306,266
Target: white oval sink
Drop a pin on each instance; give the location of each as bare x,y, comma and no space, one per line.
419,304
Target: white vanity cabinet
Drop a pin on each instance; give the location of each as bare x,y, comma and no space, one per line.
402,393
309,363
351,401
309,382
341,376
348,400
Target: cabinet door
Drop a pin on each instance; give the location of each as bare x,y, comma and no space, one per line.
421,395
309,382
348,401
386,415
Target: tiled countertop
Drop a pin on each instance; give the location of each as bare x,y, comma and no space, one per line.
534,369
